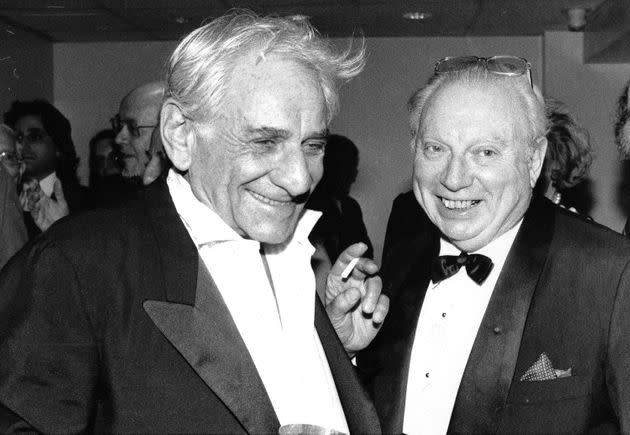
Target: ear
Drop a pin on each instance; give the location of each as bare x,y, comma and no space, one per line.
537,159
178,134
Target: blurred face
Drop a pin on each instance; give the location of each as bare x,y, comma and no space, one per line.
473,175
134,142
103,156
257,161
36,147
9,157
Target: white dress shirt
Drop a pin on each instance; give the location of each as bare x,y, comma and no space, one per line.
47,184
450,317
279,331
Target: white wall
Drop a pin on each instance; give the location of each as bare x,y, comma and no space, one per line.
91,78
591,92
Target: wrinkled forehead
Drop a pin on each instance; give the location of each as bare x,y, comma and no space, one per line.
493,107
139,107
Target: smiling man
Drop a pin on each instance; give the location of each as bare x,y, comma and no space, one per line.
509,314
193,309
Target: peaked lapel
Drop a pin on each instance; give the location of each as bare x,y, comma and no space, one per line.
195,319
488,375
206,336
358,408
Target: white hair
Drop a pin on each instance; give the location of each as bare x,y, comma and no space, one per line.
200,66
531,98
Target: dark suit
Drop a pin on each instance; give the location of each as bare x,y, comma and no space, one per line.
564,290
115,307
12,230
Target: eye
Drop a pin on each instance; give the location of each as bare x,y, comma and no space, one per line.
487,152
315,147
433,150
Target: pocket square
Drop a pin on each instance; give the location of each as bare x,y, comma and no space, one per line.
542,370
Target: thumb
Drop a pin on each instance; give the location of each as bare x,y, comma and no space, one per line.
58,189
342,304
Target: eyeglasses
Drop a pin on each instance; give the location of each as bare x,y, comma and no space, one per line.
118,124
503,65
10,158
32,136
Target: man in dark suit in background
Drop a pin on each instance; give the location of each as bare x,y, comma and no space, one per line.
508,314
192,309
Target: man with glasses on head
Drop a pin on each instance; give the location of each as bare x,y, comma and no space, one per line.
508,313
140,155
12,231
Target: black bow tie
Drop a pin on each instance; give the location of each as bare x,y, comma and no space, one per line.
478,267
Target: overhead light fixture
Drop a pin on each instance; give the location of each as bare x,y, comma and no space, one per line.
417,16
180,19
299,17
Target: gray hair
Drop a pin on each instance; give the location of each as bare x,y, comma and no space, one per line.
7,131
200,66
530,97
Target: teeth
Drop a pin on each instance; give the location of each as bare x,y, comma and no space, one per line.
269,201
458,205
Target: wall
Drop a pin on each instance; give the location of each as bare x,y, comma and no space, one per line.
591,91
91,78
26,68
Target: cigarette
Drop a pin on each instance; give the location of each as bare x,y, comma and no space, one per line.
348,270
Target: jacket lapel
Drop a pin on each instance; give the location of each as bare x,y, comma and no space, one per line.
358,408
206,336
194,318
488,375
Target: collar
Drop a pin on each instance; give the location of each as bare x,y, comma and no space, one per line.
497,249
206,227
47,183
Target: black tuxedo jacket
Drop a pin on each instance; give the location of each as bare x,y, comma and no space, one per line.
564,290
110,320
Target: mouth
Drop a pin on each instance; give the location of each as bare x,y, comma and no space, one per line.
268,201
459,205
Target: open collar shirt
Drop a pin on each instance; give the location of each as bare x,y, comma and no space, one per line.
278,330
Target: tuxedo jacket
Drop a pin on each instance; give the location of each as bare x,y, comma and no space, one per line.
110,322
564,290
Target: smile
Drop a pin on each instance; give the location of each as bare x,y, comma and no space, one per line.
269,201
459,204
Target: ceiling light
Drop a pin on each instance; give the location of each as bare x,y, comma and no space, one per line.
180,19
417,16
299,17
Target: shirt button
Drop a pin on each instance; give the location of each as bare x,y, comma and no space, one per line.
426,375
497,330
443,314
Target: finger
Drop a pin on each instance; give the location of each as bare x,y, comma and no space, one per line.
364,267
343,303
381,310
348,254
373,287
58,189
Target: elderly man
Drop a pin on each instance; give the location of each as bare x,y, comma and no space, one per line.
509,314
136,130
193,308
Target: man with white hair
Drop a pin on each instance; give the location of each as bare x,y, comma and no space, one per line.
508,314
193,309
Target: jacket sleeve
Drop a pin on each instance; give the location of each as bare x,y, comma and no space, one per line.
618,359
48,356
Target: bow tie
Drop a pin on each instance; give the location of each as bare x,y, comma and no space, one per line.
478,267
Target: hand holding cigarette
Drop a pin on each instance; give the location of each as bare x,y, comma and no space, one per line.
354,302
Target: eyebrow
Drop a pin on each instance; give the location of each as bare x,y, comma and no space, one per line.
281,133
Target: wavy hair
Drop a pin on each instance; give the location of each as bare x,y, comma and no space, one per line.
200,67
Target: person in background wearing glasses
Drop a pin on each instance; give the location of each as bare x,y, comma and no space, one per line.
141,155
508,314
50,187
193,308
12,230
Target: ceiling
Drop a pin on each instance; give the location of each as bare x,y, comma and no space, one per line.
125,20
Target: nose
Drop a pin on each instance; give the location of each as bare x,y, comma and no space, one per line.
122,138
456,175
293,172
